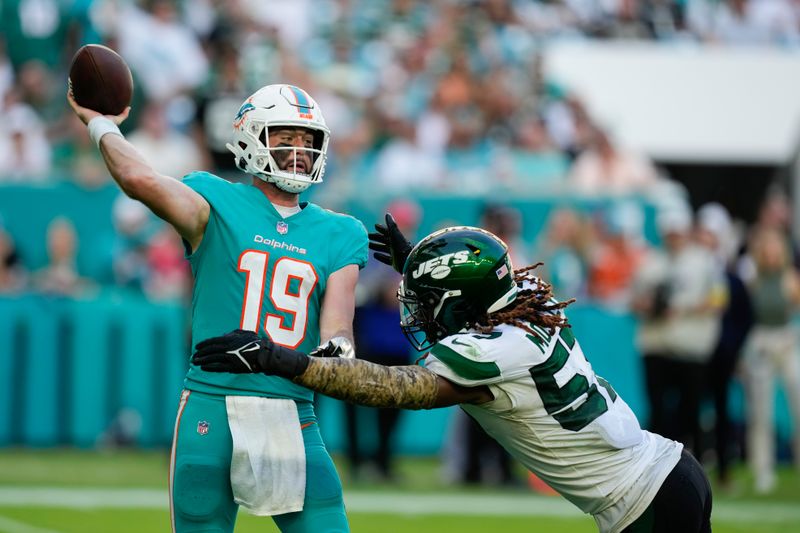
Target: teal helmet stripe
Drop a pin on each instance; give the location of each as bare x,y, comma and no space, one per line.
301,97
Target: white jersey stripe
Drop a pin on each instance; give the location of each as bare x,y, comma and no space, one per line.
184,398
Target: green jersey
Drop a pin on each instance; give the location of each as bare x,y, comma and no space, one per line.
256,270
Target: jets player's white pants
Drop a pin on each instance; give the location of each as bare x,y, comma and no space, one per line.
770,352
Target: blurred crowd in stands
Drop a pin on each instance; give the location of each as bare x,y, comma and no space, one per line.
457,85
457,88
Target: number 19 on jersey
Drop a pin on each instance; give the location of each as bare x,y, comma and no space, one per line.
293,281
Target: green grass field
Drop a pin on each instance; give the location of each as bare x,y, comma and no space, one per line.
125,492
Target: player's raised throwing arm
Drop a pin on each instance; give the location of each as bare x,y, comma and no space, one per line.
352,380
168,198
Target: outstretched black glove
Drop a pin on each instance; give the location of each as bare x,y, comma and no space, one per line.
389,244
243,352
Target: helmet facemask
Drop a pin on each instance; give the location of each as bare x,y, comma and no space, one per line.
420,315
293,180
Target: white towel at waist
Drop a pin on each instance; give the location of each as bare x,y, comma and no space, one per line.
268,465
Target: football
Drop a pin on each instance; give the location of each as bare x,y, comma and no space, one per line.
100,80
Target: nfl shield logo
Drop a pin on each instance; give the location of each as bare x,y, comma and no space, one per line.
282,227
202,427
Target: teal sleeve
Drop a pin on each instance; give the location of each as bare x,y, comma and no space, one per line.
208,185
351,248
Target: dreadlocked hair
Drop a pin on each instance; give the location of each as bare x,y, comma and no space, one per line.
533,306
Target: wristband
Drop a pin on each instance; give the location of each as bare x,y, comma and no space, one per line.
284,362
101,125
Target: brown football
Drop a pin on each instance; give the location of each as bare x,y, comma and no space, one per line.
100,80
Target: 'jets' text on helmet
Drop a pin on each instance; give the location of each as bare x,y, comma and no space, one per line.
451,278
272,107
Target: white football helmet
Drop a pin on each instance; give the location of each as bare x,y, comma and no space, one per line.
270,107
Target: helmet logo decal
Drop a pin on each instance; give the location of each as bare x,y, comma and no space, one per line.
303,104
438,267
440,272
247,106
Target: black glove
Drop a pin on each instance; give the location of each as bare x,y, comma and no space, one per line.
243,352
389,244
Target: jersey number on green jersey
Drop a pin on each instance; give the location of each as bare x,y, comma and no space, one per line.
293,281
570,368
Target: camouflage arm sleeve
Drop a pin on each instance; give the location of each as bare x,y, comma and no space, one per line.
365,383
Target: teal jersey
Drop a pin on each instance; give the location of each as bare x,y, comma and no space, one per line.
256,270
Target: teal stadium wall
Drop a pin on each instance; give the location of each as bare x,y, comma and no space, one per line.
68,367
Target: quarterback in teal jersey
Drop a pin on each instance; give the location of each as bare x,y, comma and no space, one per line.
264,262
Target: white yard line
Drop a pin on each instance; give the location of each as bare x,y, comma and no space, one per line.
458,504
377,502
83,498
8,525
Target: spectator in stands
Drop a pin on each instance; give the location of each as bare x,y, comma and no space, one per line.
75,156
174,153
37,89
775,213
604,168
129,252
506,222
567,120
771,351
37,30
617,256
551,18
168,277
6,72
220,100
273,15
402,164
564,250
164,54
715,231
678,295
457,87
628,22
468,156
60,276
12,274
536,163
24,149
746,22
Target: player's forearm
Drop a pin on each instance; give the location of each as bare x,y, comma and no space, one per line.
365,383
127,166
326,335
338,304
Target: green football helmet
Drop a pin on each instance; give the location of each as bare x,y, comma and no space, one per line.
451,278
